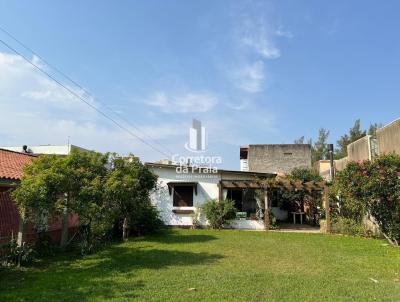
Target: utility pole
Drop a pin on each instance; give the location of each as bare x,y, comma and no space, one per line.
332,168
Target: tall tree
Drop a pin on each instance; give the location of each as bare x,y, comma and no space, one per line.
300,140
319,150
127,189
373,127
354,134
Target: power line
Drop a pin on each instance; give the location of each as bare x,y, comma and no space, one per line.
82,99
82,88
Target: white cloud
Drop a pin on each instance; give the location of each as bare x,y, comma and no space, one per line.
183,103
254,32
250,77
255,43
281,32
35,110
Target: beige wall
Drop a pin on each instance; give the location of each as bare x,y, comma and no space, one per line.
388,138
340,164
360,149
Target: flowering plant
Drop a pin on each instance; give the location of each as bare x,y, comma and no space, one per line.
373,187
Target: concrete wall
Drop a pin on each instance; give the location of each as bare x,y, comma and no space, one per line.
360,149
388,138
278,158
340,164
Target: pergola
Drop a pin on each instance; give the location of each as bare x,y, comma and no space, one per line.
268,184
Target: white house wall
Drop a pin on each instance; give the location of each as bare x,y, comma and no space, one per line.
207,188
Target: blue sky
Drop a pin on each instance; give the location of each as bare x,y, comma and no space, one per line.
252,72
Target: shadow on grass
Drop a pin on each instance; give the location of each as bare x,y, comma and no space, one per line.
110,274
170,236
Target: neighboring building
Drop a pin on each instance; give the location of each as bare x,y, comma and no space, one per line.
364,148
323,167
179,195
279,158
368,147
11,170
388,138
46,149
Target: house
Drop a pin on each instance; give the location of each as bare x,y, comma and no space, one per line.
11,170
12,164
45,149
387,140
181,190
275,158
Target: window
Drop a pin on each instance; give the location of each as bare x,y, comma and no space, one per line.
183,196
275,196
237,197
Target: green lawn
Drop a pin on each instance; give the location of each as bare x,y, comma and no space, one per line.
221,265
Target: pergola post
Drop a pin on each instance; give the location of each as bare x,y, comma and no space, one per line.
266,210
327,209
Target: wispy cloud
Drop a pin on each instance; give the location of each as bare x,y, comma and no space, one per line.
255,36
35,110
190,102
281,32
250,77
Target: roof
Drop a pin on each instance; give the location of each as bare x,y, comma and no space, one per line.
260,174
45,149
12,164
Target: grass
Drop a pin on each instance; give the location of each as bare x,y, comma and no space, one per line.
221,265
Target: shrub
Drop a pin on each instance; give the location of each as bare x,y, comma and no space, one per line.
44,246
372,188
218,213
196,224
145,220
17,255
272,221
347,226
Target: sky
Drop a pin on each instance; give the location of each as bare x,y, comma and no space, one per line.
253,72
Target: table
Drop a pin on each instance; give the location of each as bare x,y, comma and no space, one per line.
301,216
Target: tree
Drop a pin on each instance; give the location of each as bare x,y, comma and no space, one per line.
373,127
319,150
54,186
127,190
300,140
354,134
294,200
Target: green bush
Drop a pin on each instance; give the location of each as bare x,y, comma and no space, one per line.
272,221
18,255
347,226
218,213
145,220
372,188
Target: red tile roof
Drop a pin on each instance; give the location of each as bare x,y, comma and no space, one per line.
12,163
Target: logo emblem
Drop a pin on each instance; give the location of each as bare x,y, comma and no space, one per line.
197,137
